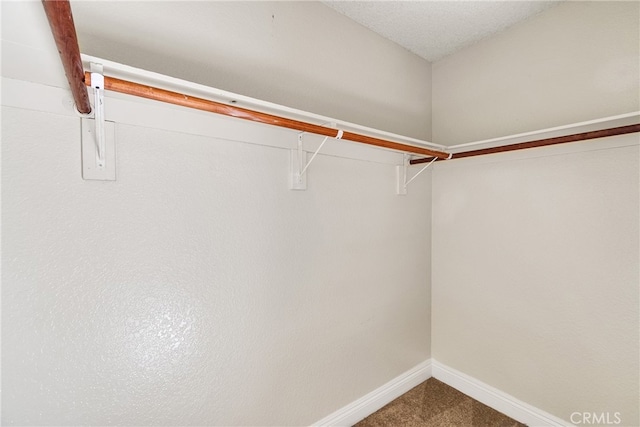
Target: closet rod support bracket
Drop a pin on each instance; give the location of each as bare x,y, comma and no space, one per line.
299,165
98,135
402,173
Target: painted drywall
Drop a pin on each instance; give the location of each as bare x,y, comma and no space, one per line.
296,53
574,62
535,275
535,254
196,289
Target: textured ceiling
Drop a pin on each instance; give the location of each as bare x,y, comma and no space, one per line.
435,29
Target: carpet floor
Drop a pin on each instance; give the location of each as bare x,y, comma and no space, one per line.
435,404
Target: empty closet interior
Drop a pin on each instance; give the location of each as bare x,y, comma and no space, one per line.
264,213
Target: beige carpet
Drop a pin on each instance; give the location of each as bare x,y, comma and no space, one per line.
435,404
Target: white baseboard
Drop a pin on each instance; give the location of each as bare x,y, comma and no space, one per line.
484,393
371,402
494,398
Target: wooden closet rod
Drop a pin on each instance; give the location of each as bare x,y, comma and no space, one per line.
157,94
64,33
602,133
63,29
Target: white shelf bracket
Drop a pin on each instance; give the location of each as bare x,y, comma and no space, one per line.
402,173
97,83
98,135
297,173
297,181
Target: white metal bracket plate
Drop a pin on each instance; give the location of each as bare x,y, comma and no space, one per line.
296,164
401,176
401,179
90,165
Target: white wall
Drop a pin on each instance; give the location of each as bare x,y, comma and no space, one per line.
535,253
196,289
535,274
296,53
577,61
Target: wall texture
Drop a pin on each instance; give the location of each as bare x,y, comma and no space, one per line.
196,289
535,254
577,61
535,275
296,53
